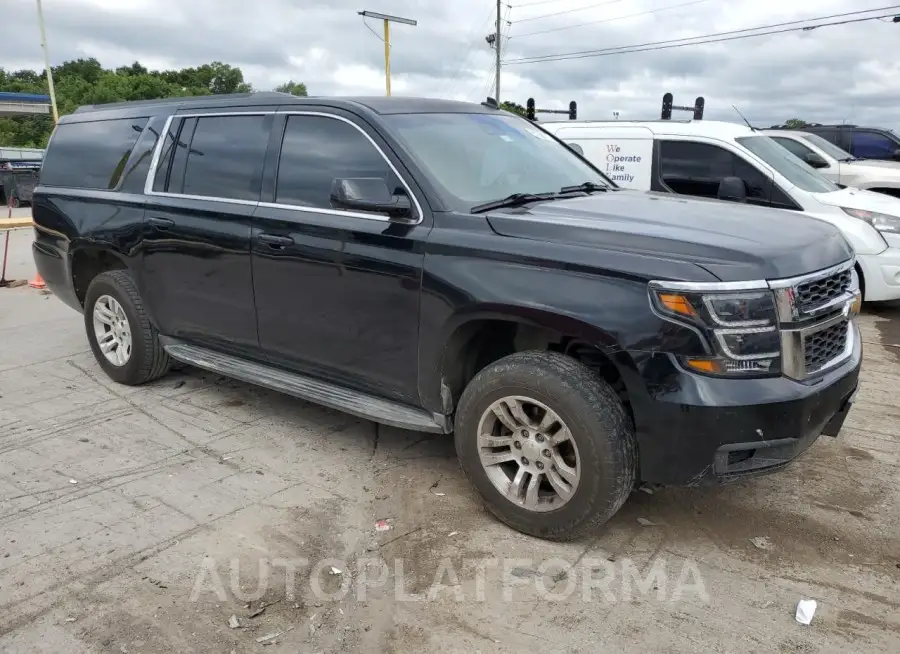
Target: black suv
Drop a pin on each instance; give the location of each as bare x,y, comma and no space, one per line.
450,267
861,142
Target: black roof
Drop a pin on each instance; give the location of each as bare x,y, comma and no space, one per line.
376,104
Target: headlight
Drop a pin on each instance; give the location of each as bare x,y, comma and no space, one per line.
741,328
883,222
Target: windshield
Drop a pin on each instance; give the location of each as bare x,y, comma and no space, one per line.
827,147
788,165
474,158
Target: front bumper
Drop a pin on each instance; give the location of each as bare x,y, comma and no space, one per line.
881,273
695,430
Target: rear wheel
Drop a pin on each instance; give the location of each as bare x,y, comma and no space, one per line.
123,340
547,444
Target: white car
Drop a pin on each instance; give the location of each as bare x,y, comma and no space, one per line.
734,162
838,165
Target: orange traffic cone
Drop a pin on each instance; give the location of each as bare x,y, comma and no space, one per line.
37,282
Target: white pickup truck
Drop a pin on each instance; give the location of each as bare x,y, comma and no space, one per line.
838,165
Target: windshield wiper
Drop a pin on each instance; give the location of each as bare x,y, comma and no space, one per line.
587,187
514,200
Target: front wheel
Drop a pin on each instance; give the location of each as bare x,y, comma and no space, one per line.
547,444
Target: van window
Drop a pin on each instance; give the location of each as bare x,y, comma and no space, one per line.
90,154
795,171
215,156
697,169
315,151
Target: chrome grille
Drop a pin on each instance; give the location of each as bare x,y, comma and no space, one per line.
823,346
817,292
814,319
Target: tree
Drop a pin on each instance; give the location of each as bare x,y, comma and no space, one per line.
794,123
85,81
513,107
292,87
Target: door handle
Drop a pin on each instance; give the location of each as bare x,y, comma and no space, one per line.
162,223
275,241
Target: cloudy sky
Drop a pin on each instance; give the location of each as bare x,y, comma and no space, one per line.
830,74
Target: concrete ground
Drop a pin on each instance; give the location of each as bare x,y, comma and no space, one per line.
197,514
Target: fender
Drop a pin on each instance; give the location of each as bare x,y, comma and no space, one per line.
610,313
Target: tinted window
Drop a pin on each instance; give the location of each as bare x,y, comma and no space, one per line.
178,163
218,156
317,150
165,157
90,155
477,157
872,145
828,133
795,148
795,171
698,168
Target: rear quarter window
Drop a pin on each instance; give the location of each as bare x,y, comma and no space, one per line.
90,154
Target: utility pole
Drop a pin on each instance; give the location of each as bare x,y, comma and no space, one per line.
497,40
47,63
387,40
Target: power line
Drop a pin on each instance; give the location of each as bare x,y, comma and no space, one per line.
732,35
569,11
610,20
469,50
539,2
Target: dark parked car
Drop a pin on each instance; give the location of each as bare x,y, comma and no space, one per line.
450,267
861,142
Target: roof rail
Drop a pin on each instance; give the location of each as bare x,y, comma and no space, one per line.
262,95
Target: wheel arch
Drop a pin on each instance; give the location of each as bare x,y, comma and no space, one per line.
90,260
476,338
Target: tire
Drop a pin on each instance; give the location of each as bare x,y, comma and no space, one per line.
596,420
147,360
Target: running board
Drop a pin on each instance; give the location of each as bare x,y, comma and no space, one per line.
343,399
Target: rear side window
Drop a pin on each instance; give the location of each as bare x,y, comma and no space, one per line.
214,156
91,154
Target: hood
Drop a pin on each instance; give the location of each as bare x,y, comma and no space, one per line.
873,168
734,242
854,198
876,163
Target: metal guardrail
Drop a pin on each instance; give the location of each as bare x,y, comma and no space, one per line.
23,108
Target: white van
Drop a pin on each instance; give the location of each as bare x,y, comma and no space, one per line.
733,162
838,165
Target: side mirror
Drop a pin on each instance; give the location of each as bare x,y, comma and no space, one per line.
732,189
369,194
576,148
815,160
896,154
